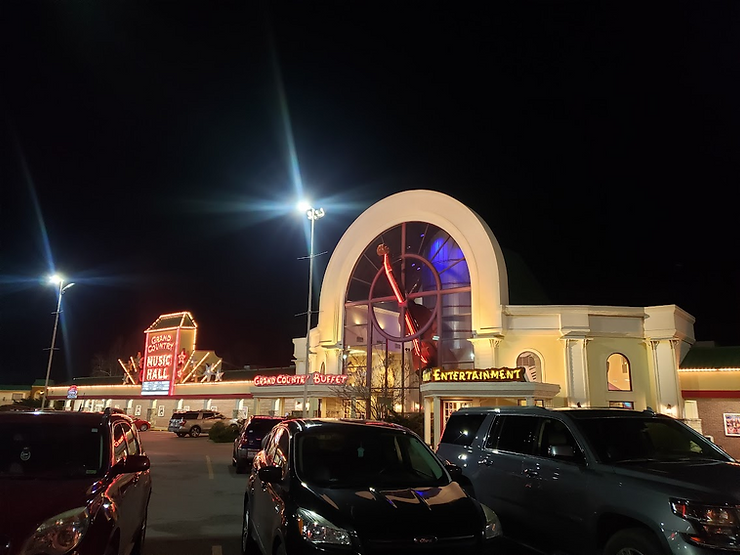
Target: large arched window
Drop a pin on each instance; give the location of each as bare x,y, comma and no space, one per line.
618,373
533,365
408,308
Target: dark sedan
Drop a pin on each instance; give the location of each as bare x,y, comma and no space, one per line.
350,487
78,483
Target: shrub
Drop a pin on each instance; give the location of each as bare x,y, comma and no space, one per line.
222,433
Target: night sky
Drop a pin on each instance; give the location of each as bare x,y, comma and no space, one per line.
153,152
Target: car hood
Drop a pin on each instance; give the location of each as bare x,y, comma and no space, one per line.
705,480
438,511
30,502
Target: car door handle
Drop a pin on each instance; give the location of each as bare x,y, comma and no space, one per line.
487,462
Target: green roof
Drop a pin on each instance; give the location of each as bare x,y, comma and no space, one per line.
712,357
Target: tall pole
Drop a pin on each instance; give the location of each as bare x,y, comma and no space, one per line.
53,341
313,215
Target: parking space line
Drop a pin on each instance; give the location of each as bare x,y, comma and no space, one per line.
210,472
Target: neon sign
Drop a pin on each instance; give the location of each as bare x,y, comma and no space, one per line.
300,379
159,363
486,375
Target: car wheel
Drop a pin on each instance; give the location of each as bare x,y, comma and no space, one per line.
181,434
633,541
144,428
249,546
194,431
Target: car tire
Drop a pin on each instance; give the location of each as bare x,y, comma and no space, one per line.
249,545
633,541
181,434
144,428
194,431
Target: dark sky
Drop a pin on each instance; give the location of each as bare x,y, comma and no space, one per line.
153,153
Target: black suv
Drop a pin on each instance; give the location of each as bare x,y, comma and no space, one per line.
348,487
72,482
249,441
598,481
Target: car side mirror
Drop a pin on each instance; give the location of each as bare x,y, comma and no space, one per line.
269,474
131,464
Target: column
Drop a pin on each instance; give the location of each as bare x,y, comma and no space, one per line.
437,421
485,350
665,377
576,365
428,420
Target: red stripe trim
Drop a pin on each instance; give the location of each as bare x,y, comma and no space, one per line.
710,394
80,395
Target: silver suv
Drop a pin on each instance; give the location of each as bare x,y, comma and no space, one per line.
598,481
194,422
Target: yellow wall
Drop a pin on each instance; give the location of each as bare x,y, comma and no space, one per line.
636,351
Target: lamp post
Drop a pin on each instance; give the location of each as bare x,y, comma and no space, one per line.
59,281
313,214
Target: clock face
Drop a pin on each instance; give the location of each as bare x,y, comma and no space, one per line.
411,287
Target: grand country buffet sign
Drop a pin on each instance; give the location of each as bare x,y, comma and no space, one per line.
517,374
300,379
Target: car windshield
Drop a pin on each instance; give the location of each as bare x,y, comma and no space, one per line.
41,450
261,426
351,456
634,439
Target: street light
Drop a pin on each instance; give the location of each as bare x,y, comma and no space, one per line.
59,281
313,214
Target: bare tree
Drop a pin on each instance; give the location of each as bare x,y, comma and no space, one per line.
393,384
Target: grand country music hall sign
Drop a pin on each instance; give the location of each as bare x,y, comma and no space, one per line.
494,375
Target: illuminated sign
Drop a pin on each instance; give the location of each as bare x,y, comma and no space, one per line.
300,379
485,375
72,392
159,363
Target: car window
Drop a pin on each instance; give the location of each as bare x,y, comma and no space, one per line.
555,433
515,433
461,429
207,415
261,426
132,440
630,439
36,450
271,445
120,445
349,456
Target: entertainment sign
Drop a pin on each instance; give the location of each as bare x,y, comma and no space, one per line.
517,374
300,379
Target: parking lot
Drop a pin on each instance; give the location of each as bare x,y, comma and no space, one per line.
197,497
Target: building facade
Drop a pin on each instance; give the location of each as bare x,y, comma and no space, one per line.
414,317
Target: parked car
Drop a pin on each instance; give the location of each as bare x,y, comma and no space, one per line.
77,482
598,481
349,487
249,441
195,422
141,424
